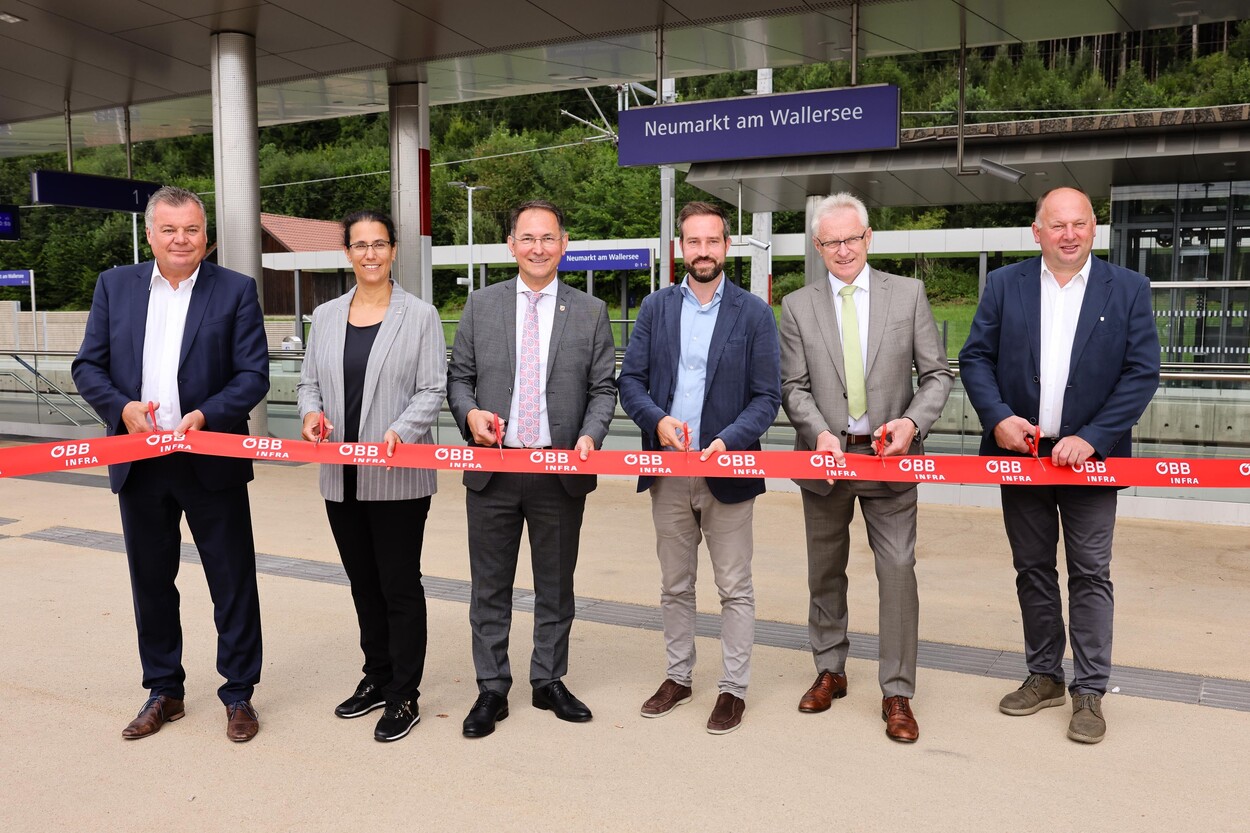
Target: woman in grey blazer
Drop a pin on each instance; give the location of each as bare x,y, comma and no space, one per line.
376,370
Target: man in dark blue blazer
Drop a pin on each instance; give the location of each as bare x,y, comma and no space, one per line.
702,373
1063,354
188,337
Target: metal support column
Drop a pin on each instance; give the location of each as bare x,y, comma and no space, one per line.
762,221
237,175
814,268
409,103
666,94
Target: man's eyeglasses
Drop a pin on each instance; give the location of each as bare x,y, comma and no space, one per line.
529,241
849,242
379,247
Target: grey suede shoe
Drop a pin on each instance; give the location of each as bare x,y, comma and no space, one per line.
1038,692
1087,724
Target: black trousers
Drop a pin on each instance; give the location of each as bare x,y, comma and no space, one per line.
153,500
379,542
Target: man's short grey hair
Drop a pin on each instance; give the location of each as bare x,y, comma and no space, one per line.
837,202
172,195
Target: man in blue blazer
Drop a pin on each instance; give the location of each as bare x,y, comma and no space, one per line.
188,337
1063,355
702,373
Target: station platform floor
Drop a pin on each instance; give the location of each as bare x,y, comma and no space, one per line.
1178,715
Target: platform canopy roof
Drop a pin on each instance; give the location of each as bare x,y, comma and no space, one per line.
328,58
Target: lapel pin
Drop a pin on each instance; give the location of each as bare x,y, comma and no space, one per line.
562,308
1100,318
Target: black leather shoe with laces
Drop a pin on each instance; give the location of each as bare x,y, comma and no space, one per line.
557,698
397,721
489,708
367,698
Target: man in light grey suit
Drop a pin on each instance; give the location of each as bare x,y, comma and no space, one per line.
848,346
535,359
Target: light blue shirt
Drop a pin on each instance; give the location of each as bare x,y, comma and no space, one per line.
697,323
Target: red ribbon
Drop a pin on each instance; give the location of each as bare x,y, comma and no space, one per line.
801,465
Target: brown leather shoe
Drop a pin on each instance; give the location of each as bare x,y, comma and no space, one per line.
726,714
241,721
900,723
667,697
828,687
156,712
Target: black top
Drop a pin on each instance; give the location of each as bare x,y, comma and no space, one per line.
356,349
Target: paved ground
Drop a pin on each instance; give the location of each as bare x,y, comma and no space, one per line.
69,682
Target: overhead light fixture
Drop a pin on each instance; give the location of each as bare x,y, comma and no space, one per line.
994,169
5,17
584,78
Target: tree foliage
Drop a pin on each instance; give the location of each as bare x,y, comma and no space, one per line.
523,147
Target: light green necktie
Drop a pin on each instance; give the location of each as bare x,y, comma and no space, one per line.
852,358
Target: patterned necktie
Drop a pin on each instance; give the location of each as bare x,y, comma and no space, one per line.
852,358
528,404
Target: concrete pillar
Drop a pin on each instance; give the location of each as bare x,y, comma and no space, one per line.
814,267
409,103
236,171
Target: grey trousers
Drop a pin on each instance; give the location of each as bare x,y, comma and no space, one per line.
685,511
1032,516
890,518
496,516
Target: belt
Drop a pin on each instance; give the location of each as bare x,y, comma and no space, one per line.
857,439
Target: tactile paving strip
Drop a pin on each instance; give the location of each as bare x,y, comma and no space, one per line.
963,659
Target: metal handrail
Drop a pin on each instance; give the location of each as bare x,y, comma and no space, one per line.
41,397
38,376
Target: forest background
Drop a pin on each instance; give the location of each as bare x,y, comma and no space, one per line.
524,148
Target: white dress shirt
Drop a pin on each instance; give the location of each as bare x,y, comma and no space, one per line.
859,426
162,345
546,318
1061,308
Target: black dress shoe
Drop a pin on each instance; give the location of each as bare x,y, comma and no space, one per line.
557,698
489,708
397,721
367,698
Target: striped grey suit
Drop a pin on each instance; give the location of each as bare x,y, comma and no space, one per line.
405,382
901,335
380,528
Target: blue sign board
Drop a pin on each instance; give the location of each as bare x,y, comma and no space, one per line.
10,223
596,259
790,124
91,191
15,277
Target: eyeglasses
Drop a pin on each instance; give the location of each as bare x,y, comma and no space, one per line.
528,240
379,247
834,245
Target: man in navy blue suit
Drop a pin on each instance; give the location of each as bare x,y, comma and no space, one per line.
702,373
1063,354
187,338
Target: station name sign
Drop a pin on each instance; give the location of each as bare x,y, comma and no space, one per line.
16,277
845,120
588,259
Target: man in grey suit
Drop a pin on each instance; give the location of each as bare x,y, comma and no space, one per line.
533,358
848,346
